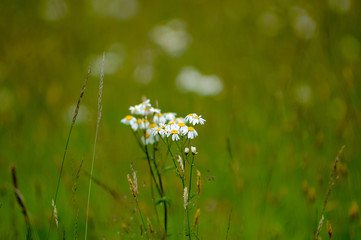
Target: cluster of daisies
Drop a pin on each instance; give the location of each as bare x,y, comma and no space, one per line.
155,125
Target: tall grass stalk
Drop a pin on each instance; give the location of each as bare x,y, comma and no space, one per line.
189,195
21,203
95,144
332,182
67,143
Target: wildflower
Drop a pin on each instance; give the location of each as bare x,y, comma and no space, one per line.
189,117
136,124
152,126
128,120
186,151
175,135
159,118
144,124
153,110
183,129
194,150
197,119
158,131
178,120
192,133
171,126
170,116
137,109
141,109
148,138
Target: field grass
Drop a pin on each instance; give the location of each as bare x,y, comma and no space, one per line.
291,98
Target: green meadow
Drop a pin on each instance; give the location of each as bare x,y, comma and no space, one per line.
278,83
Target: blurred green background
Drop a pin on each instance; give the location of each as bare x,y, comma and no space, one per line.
277,81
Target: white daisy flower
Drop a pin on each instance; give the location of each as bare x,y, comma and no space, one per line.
183,129
197,119
192,133
145,124
146,104
170,126
189,117
136,124
128,120
148,138
175,135
153,110
179,120
159,118
170,116
194,150
137,109
152,126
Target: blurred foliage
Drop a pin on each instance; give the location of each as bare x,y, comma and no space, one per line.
291,98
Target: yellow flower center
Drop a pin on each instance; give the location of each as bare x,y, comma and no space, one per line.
196,117
181,124
174,131
191,114
147,135
152,125
145,120
159,114
139,121
171,123
129,117
158,130
191,129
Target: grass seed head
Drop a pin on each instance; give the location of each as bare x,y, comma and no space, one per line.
354,211
196,217
198,183
329,229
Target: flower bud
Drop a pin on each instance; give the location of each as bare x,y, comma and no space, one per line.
194,150
186,151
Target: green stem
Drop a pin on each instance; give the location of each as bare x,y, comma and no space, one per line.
162,191
141,217
189,194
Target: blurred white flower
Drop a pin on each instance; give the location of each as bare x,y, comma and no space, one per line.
113,60
143,73
191,80
341,6
170,116
55,10
303,25
83,115
269,24
159,118
303,94
119,9
172,37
